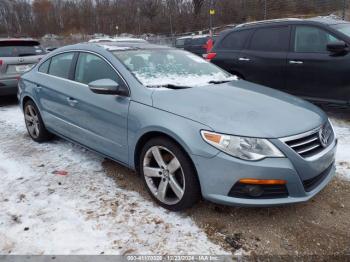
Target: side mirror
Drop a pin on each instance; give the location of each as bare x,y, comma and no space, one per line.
337,47
107,87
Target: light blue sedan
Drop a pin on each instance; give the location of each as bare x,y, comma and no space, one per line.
190,129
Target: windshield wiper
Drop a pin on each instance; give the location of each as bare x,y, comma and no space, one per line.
219,82
170,86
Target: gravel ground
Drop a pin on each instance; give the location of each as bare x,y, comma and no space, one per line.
318,227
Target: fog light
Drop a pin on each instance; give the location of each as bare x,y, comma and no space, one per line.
262,181
253,190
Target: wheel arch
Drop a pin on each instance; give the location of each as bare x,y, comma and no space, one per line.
25,99
153,134
144,138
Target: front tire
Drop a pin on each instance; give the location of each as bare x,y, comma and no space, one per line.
34,123
169,175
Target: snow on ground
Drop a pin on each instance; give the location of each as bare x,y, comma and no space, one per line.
342,129
83,212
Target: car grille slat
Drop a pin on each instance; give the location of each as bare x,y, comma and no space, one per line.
312,147
312,139
310,144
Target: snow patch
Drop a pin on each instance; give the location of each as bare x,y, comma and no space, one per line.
84,212
342,129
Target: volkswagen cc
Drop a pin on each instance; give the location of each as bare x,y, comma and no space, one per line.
189,128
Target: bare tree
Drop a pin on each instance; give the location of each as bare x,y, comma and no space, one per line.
39,17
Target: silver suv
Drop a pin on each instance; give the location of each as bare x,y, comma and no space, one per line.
16,57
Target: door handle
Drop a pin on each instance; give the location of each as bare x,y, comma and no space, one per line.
38,87
244,59
293,62
71,101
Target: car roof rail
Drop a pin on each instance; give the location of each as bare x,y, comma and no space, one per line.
268,21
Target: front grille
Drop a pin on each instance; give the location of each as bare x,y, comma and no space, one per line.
312,183
269,191
310,144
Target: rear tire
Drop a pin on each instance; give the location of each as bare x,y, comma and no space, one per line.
169,174
34,123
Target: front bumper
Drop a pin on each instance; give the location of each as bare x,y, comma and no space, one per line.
8,86
219,174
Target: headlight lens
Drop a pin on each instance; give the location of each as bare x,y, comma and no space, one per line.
246,148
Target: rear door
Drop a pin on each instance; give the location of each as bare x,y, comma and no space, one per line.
52,87
265,58
18,56
312,71
228,51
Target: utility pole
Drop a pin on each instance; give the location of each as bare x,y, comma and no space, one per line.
211,14
139,19
344,9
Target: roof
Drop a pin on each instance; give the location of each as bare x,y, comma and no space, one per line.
17,39
123,46
324,20
193,37
268,21
118,39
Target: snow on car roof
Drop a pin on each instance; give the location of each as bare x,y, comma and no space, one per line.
118,39
115,47
124,46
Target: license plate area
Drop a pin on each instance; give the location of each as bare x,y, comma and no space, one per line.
23,68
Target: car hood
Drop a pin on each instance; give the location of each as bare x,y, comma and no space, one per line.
242,108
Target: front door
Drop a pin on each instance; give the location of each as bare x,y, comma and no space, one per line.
100,120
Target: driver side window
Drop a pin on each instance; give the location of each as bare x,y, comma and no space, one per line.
91,68
310,39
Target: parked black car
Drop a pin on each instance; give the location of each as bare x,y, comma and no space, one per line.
195,44
305,57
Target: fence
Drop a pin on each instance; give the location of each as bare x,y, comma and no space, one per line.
231,12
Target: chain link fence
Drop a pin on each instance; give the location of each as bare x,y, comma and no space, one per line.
233,12
272,9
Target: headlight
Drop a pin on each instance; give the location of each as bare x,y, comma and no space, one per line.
242,147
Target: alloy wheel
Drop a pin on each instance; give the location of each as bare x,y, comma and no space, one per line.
164,175
32,121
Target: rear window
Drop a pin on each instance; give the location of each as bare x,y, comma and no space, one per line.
235,40
20,48
44,67
199,41
60,65
180,42
274,39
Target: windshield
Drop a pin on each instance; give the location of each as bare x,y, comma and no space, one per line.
171,67
343,28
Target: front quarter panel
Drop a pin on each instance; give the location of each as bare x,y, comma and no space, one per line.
144,119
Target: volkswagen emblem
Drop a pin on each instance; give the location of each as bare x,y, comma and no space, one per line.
324,135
